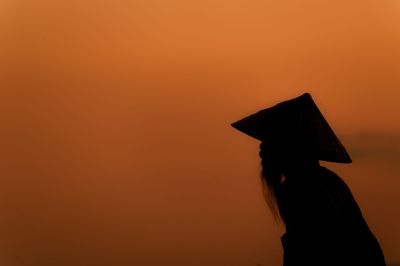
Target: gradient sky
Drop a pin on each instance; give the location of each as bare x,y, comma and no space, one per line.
116,145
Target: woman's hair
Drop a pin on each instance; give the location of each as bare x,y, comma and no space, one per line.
271,177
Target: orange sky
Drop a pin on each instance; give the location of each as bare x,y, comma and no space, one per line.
115,124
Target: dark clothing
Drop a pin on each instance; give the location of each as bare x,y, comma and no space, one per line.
324,224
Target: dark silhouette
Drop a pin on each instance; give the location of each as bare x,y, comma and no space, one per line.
324,224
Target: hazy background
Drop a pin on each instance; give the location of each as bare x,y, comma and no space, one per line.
116,145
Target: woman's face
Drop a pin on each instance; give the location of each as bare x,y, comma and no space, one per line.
271,163
269,155
268,151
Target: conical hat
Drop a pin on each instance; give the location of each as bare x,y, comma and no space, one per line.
297,124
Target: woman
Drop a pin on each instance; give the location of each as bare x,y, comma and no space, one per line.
324,224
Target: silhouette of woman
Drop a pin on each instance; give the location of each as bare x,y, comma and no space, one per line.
324,224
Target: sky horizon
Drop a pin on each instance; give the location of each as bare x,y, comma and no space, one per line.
115,120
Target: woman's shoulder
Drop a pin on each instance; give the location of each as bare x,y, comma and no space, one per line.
317,176
327,172
337,193
321,183
328,177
